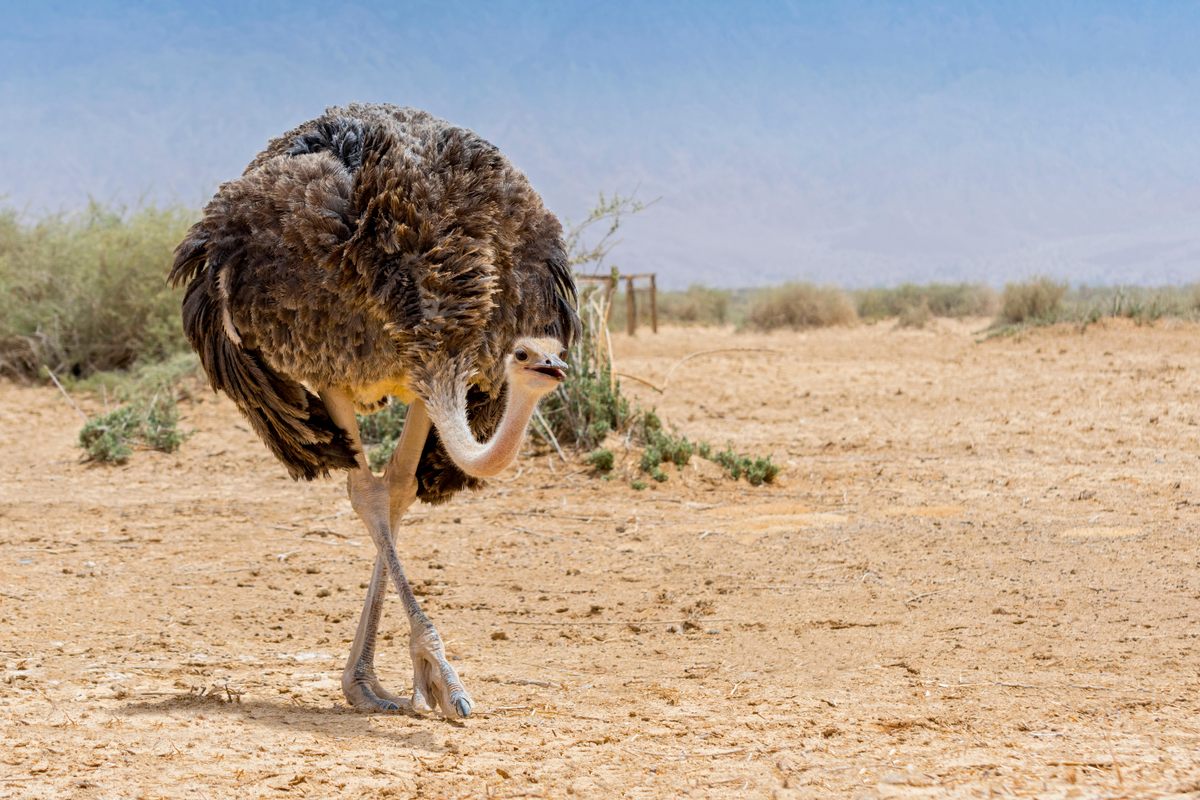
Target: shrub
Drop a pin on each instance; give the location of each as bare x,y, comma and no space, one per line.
699,305
914,316
110,438
955,300
380,433
160,426
799,306
756,471
1139,303
176,376
1035,301
601,460
662,447
588,404
87,292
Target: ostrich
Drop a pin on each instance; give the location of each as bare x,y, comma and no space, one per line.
380,252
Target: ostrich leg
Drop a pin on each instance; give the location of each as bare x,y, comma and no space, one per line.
359,682
380,502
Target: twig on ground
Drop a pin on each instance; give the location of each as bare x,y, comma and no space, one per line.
642,381
690,356
537,415
917,597
70,399
1113,754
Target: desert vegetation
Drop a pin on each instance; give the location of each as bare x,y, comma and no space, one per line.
83,302
82,293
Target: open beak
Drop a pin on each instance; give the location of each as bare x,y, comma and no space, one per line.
551,366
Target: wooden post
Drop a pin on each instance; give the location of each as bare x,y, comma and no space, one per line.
610,293
630,308
653,303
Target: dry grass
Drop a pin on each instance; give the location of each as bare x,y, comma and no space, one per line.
87,292
1034,301
909,302
699,305
799,306
1140,303
917,316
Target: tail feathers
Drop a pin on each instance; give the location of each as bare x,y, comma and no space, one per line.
190,257
292,421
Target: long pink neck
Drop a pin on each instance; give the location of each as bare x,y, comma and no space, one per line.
480,460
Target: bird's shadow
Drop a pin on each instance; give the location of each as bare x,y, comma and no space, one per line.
410,730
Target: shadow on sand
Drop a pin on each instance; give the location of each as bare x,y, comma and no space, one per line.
408,729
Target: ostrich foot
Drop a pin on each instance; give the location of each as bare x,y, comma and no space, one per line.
435,683
362,690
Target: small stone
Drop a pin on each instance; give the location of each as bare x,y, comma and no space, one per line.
499,636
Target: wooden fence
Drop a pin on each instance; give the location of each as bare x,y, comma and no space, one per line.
610,284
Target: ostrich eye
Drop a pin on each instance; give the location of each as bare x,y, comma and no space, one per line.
563,355
521,355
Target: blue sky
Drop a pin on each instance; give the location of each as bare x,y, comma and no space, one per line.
857,143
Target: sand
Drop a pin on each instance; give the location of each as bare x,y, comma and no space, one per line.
976,576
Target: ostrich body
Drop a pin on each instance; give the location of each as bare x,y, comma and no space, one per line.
380,252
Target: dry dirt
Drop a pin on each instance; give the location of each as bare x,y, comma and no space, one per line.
976,577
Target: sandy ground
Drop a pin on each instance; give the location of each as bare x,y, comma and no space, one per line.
977,577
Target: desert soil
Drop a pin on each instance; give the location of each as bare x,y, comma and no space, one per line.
977,576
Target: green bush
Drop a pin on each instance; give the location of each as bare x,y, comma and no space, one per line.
798,306
160,425
110,438
661,447
756,471
380,433
588,404
601,460
86,292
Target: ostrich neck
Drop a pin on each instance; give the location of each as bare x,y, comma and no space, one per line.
475,458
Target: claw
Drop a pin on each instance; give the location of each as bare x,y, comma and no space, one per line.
368,695
462,705
419,702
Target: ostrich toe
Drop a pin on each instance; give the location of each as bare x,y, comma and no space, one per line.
435,683
365,692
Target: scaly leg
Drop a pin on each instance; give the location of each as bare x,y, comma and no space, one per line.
359,684
380,502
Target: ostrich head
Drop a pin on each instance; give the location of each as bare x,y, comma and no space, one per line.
536,366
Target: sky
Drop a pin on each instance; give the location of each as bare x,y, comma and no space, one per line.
857,143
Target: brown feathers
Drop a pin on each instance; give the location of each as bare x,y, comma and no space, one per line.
374,243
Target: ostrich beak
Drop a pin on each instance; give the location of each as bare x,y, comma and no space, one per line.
551,366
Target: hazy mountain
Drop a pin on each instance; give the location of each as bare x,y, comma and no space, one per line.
849,143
